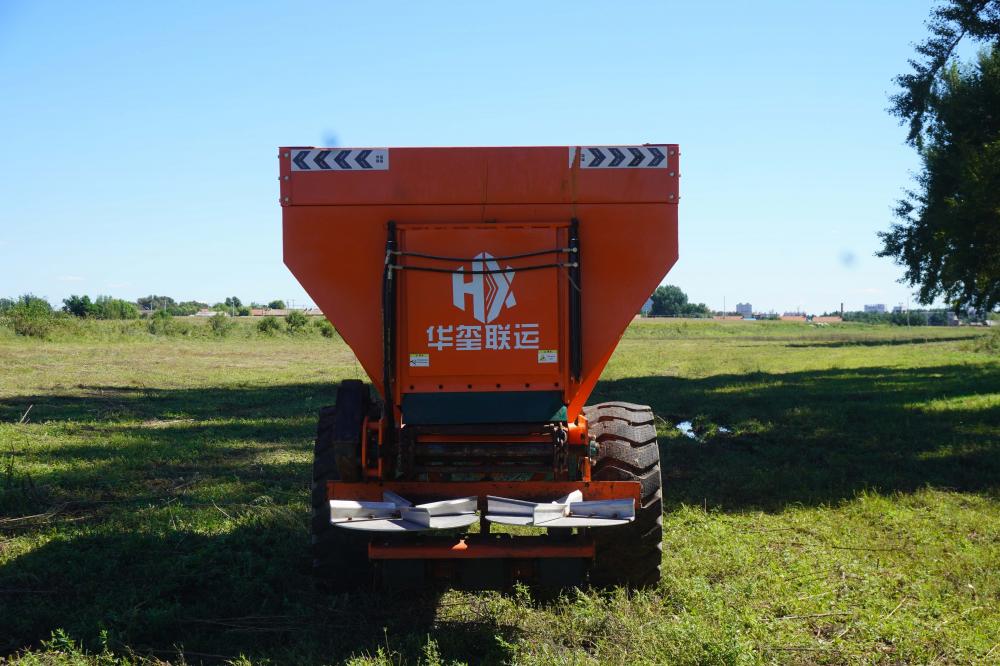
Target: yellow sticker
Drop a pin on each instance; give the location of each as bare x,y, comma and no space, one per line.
548,355
420,360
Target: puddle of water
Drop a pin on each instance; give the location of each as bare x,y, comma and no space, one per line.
687,429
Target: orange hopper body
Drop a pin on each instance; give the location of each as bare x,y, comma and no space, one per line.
458,330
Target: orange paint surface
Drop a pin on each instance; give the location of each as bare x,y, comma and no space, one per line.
461,202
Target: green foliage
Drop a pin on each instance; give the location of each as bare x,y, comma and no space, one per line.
104,307
670,301
325,328
234,302
277,305
161,323
154,302
30,316
912,318
989,344
268,325
6,304
945,237
78,306
296,321
221,324
186,308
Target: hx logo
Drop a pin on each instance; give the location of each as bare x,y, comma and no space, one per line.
489,291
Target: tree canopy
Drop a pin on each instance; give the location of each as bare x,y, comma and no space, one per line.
947,233
104,307
671,301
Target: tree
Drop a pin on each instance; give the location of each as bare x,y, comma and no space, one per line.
185,308
947,234
106,307
234,302
670,301
78,306
277,305
30,316
154,302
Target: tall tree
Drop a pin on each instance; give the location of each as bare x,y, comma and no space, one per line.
79,306
671,301
947,234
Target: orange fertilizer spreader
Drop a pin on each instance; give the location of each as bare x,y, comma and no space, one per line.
483,291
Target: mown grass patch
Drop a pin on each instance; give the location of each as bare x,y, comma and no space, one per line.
839,505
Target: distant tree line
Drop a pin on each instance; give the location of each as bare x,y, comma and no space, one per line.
913,318
105,307
102,307
30,315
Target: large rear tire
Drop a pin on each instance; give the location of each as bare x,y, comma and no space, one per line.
627,451
339,555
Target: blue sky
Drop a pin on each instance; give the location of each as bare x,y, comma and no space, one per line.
139,139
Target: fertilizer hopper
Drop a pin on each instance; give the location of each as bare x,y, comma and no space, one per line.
483,290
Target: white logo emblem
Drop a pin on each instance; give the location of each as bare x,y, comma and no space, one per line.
489,291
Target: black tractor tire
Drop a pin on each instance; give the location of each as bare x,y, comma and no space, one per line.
339,556
629,555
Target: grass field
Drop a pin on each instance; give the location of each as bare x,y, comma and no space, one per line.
841,504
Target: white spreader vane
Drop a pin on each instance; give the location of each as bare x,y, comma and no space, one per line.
397,514
568,511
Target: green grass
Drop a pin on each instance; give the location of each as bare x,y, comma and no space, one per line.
153,505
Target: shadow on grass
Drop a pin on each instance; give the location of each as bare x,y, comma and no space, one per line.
141,551
109,404
822,436
247,592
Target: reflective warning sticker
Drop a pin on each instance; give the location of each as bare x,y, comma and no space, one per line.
620,157
420,360
548,356
337,159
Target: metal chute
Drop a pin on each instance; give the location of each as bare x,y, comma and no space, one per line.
397,514
568,511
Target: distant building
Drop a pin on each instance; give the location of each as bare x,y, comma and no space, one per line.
897,309
877,307
744,309
647,307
